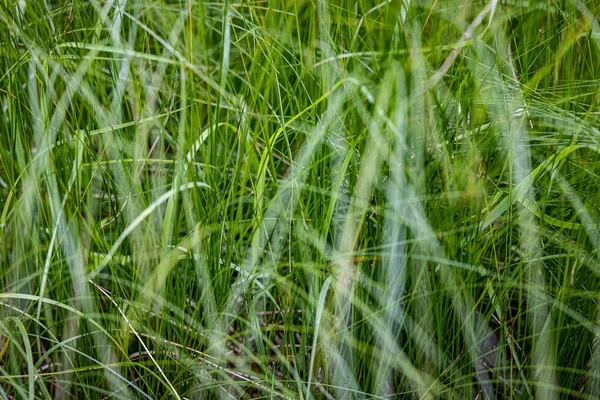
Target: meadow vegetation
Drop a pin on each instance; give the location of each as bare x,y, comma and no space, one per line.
299,199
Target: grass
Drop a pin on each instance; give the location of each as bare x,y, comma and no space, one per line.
299,199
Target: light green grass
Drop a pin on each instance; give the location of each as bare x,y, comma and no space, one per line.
299,199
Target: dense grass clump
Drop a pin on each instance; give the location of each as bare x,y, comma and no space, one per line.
299,199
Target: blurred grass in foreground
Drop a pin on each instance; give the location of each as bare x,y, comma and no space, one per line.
299,199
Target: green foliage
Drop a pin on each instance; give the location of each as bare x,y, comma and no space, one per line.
299,199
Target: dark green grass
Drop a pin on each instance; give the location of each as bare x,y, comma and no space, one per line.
299,199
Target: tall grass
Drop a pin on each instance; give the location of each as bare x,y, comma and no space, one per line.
299,199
